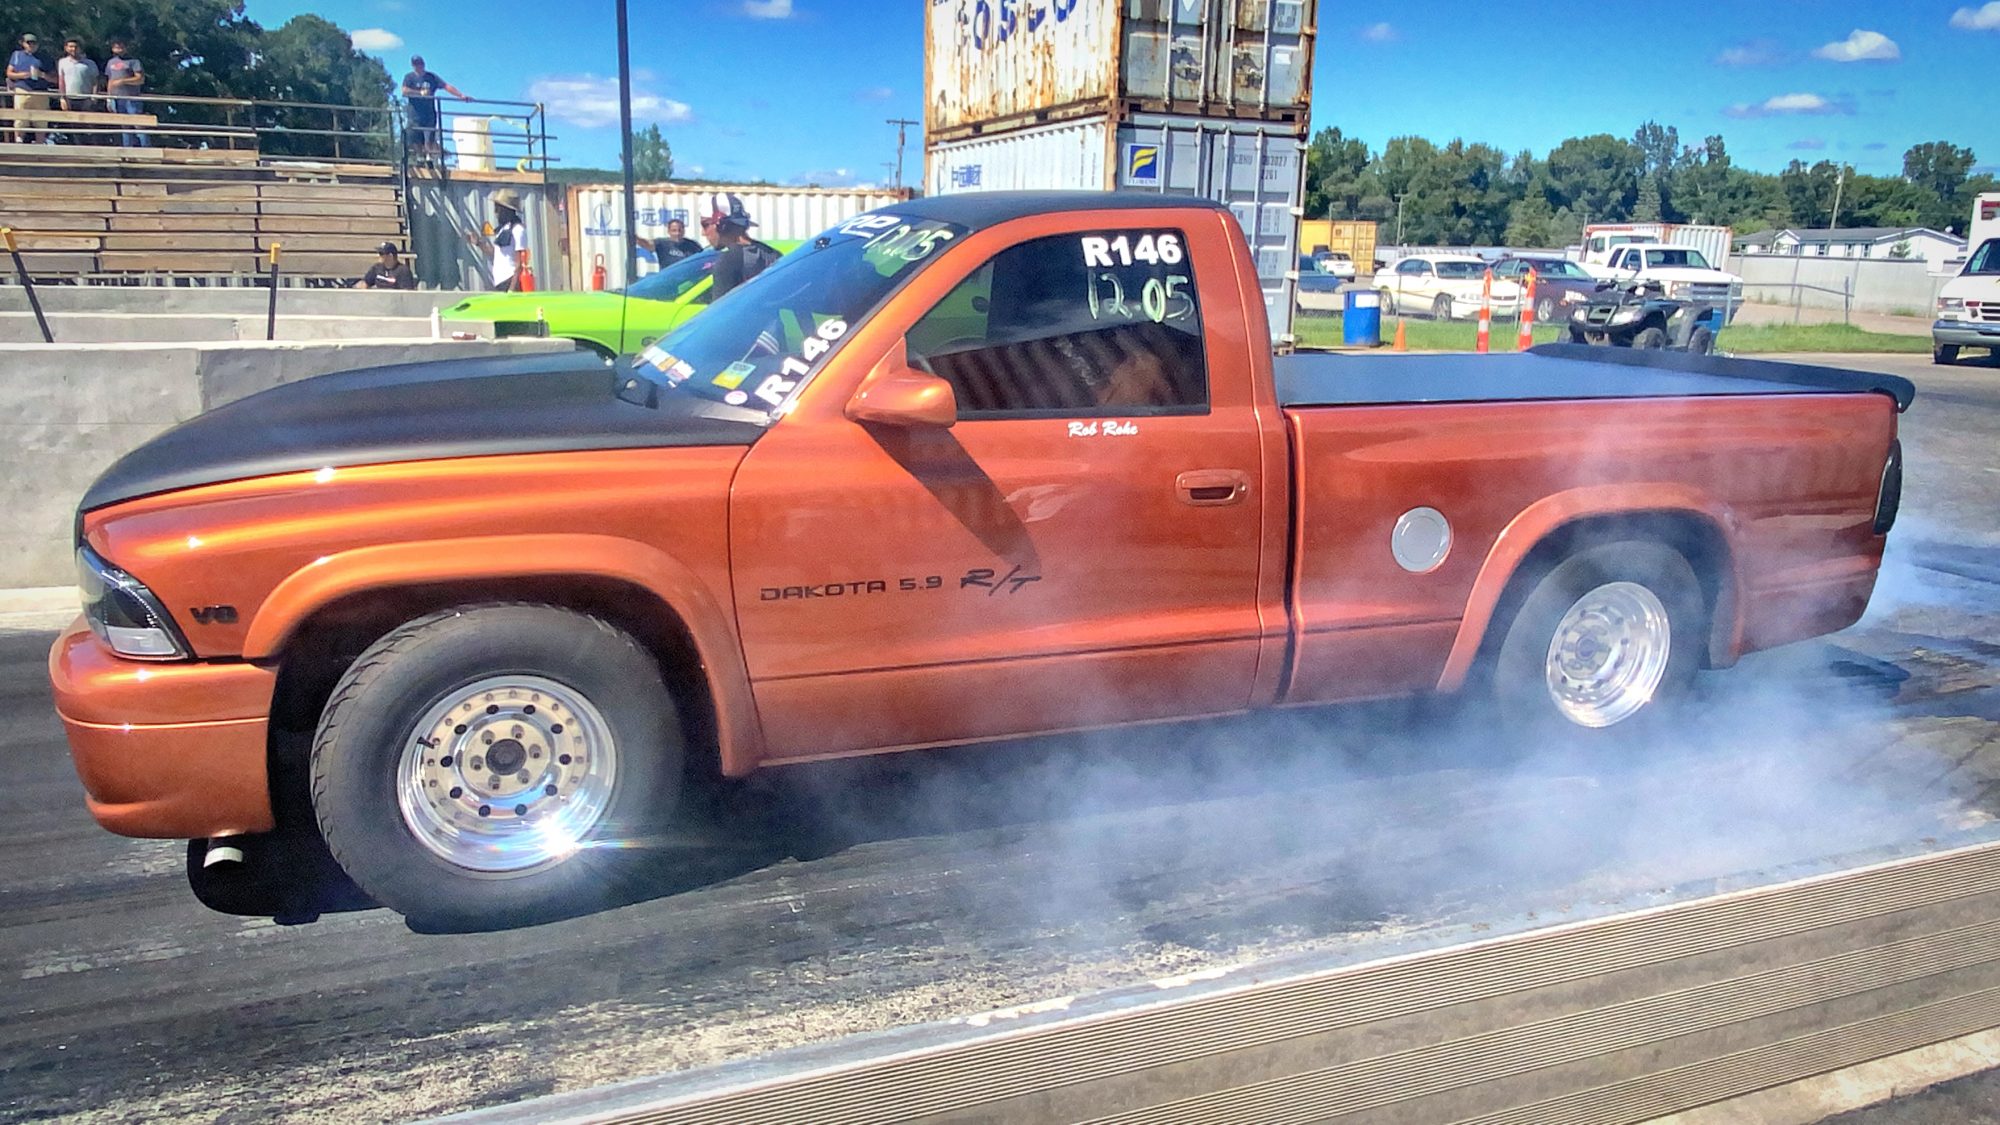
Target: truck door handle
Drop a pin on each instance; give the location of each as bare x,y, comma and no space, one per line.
1206,488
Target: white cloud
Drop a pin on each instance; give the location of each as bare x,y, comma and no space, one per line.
592,102
768,9
375,39
1384,33
1986,17
1789,103
874,94
830,177
1807,144
1757,52
1864,46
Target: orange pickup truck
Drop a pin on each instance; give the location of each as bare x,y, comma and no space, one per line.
962,469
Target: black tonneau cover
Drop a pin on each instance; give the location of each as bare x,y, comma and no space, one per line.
1555,371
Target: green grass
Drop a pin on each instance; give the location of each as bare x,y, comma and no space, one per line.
1763,338
1421,335
1462,336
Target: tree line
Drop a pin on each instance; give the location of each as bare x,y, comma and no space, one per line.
209,48
1461,194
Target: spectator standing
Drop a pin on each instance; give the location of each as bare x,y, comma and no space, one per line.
77,75
420,89
675,246
388,272
508,236
124,81
742,256
27,81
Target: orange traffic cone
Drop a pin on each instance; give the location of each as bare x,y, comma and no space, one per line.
1402,344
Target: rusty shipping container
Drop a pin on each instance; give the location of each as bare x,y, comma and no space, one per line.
999,65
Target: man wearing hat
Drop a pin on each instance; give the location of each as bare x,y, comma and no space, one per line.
28,81
388,272
742,257
506,236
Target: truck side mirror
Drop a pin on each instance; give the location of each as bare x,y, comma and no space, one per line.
897,394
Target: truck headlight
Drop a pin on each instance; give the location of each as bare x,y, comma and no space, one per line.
124,614
1951,308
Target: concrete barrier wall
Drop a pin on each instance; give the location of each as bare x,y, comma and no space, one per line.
71,411
229,300
1879,285
191,328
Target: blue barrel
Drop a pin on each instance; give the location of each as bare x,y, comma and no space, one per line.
1361,319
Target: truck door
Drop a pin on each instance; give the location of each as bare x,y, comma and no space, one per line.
1081,548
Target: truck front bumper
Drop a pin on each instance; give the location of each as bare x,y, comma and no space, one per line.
1966,334
165,750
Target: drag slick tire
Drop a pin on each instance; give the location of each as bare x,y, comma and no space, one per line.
1610,637
496,765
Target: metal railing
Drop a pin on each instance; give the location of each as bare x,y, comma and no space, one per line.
513,135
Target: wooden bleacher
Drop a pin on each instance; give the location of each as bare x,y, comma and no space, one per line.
99,212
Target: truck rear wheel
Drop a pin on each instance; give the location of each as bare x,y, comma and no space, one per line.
496,765
1609,637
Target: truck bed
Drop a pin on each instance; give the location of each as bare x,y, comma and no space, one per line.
1554,372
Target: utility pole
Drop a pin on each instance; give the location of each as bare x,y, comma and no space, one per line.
1399,217
1833,223
902,125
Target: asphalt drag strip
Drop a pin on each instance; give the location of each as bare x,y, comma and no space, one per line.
870,894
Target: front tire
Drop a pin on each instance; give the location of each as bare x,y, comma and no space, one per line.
1545,310
1651,338
1944,354
1610,637
496,765
1441,308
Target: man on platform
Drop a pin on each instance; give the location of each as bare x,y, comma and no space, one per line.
420,89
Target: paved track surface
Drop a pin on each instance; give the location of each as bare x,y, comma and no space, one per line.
861,895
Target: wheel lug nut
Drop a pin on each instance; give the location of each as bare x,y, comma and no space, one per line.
478,764
487,738
520,810
550,790
493,782
523,777
518,730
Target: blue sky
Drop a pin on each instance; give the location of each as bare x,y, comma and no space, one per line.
799,90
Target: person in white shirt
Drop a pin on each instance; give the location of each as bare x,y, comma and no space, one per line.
77,76
507,237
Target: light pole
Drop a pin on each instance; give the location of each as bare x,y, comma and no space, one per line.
1399,217
625,153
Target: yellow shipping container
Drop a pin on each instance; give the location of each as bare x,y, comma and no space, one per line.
1351,237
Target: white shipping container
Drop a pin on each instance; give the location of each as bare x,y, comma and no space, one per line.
1256,169
597,217
1599,239
1985,221
1008,64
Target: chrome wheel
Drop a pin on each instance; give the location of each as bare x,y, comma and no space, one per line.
1609,654
507,775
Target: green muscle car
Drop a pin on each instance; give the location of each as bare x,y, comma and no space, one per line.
658,303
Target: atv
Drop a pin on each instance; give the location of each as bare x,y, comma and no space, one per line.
1641,315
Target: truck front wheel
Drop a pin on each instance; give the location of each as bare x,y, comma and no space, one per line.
1606,638
496,765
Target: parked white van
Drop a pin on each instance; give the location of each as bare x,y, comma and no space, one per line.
1968,307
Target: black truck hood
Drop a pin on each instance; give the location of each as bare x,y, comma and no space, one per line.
410,412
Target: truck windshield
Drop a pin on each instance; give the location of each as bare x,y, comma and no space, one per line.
748,355
673,282
1986,259
1676,257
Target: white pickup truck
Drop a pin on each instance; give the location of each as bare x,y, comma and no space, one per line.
1681,271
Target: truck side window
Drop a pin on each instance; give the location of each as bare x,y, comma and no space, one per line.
1074,325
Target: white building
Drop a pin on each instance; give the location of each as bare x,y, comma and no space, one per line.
1934,248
